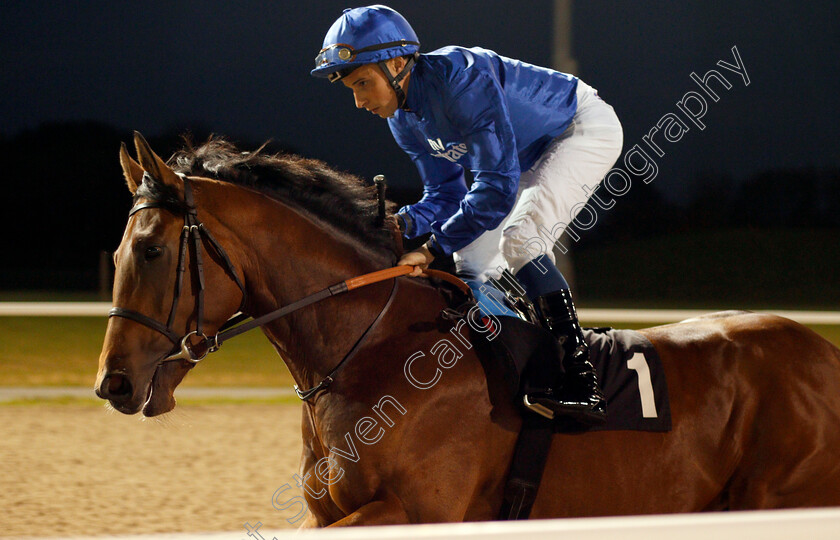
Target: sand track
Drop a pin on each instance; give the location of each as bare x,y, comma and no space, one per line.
79,469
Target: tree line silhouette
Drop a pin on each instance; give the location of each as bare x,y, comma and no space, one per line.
66,203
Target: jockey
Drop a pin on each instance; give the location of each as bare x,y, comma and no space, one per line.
538,142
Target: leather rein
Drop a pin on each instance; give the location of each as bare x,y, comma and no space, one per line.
195,230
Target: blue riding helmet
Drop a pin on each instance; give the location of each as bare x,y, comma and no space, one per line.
367,35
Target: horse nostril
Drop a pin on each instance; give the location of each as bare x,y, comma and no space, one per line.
116,386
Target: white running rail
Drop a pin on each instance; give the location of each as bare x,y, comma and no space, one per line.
587,315
812,524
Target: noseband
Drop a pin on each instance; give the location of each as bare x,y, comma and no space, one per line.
194,229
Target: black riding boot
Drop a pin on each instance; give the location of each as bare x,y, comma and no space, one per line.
579,396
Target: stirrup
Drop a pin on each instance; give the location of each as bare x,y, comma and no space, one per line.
584,413
538,408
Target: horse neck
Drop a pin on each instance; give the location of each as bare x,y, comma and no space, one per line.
286,255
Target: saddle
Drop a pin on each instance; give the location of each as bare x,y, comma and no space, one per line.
628,368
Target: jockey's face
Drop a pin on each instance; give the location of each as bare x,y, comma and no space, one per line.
371,89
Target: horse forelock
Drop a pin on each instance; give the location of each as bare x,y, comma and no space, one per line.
338,198
154,190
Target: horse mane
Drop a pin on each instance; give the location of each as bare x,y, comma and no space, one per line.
338,198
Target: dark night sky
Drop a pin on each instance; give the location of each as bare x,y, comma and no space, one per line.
241,69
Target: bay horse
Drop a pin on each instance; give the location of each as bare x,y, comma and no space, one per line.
755,399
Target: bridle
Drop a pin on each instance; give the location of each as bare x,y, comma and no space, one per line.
194,229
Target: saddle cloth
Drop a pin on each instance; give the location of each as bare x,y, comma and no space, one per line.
632,379
628,367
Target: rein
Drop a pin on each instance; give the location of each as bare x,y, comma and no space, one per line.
194,229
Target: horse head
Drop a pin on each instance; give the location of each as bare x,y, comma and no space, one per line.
159,288
282,226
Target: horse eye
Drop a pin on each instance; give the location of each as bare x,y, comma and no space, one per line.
153,252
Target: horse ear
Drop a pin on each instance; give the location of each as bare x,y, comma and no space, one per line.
132,170
155,166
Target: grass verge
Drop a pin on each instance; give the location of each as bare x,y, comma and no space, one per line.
64,351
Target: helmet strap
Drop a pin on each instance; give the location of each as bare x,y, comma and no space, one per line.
395,80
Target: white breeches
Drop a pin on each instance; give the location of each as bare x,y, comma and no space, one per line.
551,193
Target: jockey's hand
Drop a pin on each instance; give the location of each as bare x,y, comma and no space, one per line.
419,258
